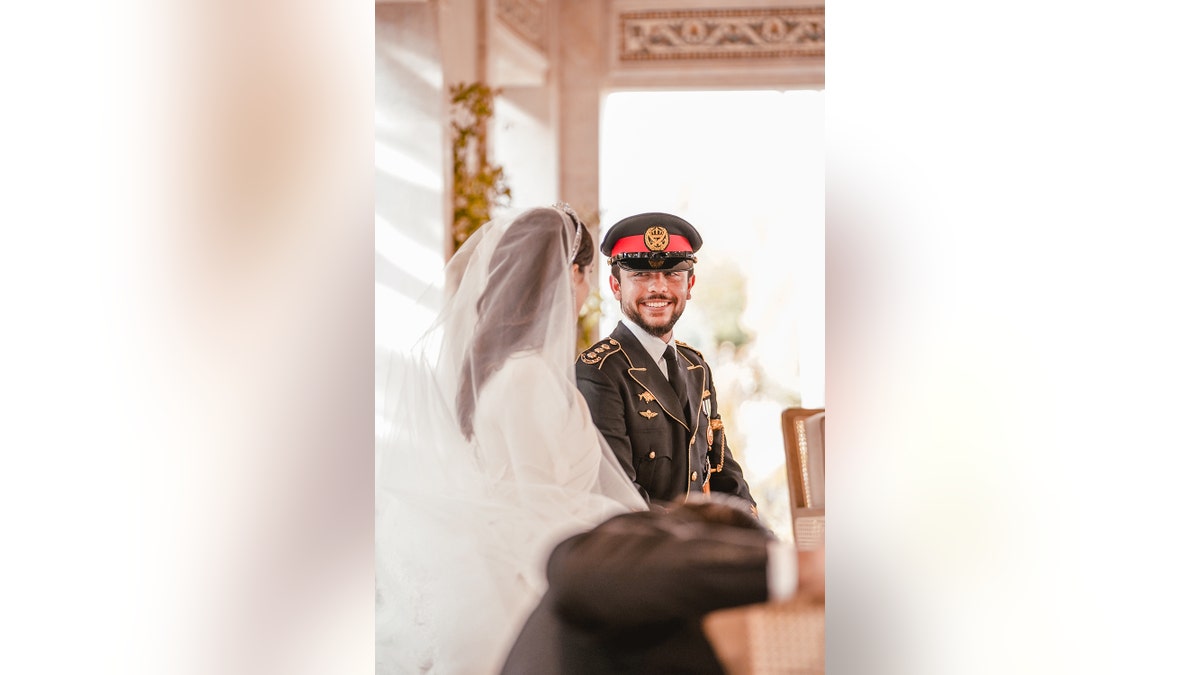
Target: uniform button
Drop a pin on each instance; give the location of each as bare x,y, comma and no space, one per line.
694,474
651,455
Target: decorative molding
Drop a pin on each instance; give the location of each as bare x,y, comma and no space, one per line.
772,33
526,19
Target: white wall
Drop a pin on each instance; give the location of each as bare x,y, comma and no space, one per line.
525,144
410,168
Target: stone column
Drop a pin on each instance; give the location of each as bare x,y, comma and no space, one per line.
582,32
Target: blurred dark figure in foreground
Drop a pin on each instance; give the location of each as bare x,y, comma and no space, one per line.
630,595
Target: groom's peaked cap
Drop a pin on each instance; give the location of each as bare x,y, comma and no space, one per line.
654,242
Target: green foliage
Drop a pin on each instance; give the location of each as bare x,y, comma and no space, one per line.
479,185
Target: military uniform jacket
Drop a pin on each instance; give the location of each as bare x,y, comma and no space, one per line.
664,451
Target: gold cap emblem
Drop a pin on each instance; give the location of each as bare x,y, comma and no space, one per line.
656,238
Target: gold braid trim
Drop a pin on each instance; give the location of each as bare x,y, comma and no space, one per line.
600,351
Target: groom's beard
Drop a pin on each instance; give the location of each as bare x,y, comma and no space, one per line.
663,327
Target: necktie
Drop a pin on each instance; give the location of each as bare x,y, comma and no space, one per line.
676,374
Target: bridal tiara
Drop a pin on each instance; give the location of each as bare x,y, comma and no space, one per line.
566,208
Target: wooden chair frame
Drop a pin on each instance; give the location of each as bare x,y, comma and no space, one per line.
796,448
804,445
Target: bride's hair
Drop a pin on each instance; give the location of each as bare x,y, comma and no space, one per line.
525,272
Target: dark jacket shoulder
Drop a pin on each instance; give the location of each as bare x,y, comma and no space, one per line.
683,345
599,352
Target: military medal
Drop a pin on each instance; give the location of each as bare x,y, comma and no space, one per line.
717,425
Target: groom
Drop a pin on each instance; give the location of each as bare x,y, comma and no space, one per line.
651,397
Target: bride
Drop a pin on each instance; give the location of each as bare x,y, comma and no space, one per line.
491,457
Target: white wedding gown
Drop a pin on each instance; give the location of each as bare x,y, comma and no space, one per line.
463,528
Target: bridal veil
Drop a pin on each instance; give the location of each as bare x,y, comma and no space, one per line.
486,456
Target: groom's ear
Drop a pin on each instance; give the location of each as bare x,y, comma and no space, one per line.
614,284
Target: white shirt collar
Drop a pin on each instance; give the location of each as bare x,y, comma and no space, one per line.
654,346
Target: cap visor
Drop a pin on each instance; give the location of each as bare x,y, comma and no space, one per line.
655,264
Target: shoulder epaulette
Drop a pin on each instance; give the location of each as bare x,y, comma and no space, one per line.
595,355
685,345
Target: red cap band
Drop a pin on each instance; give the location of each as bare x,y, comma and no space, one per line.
637,244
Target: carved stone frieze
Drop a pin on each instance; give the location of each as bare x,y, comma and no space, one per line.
771,33
526,19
